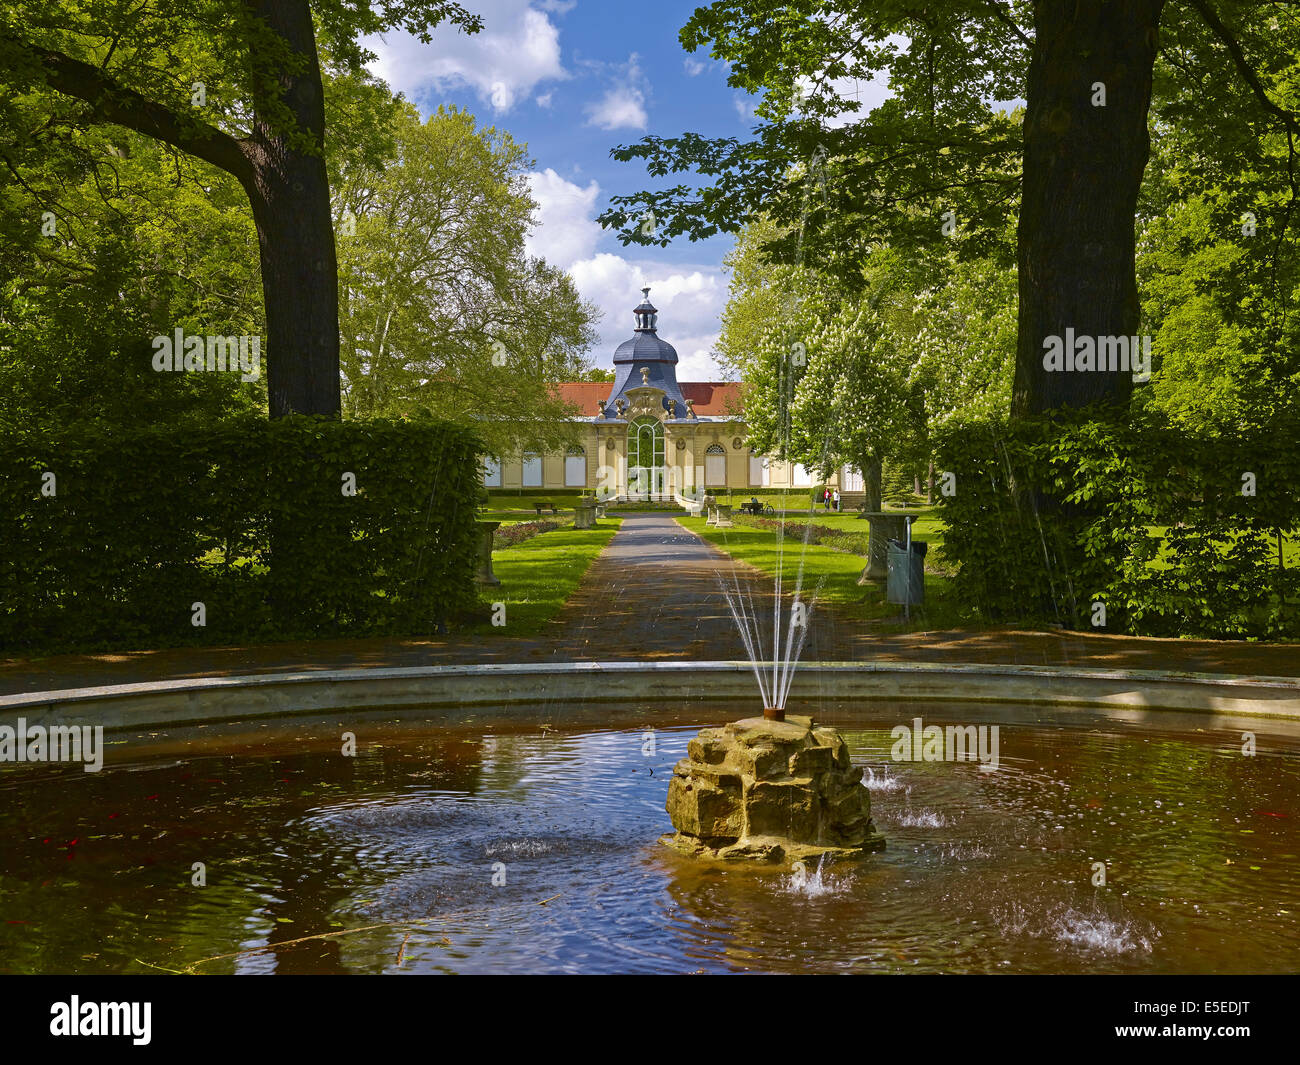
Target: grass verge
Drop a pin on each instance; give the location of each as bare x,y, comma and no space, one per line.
538,576
837,572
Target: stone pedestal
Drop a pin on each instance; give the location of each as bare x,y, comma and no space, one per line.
724,516
485,531
769,791
584,517
884,527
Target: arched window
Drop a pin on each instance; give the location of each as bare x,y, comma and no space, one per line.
715,466
575,468
532,469
645,455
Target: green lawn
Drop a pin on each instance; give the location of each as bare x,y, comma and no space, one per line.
837,570
928,525
518,517
539,575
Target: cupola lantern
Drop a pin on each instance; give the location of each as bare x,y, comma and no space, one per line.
645,313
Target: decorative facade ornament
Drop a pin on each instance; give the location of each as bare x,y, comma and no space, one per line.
646,404
645,376
736,443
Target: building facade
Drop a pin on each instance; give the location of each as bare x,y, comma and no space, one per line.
650,437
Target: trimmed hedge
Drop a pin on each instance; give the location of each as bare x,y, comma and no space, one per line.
246,516
824,535
513,535
1052,515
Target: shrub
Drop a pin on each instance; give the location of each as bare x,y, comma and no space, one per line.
1052,515
245,516
513,535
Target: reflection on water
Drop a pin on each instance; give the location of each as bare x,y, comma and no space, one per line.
442,851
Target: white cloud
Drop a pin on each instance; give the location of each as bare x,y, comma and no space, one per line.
623,105
690,296
544,100
618,109
517,49
744,107
690,301
693,67
869,93
564,229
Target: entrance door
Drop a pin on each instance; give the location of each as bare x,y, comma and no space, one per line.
645,459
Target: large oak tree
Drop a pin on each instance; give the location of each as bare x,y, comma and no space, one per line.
238,84
940,159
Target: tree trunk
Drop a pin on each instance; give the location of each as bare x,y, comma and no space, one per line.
295,234
872,481
295,228
1083,167
929,483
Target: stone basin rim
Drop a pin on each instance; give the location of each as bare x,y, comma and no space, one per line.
471,686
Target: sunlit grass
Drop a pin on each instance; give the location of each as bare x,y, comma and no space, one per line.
837,572
539,575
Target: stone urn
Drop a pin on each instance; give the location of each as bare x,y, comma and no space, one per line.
769,791
883,528
485,574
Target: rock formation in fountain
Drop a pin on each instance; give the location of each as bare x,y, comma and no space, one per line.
769,791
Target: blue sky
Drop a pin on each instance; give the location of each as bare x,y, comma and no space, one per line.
572,80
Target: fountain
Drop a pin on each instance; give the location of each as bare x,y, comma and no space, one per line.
774,788
769,791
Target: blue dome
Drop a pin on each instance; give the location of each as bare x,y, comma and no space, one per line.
645,347
645,351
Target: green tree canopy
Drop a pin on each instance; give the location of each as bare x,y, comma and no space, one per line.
442,309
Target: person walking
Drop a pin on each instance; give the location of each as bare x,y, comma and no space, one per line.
826,498
835,498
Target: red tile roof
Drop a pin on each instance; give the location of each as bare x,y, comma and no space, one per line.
719,398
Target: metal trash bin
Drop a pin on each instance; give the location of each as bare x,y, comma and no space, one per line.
905,584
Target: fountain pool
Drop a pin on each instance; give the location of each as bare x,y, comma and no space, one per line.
533,849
